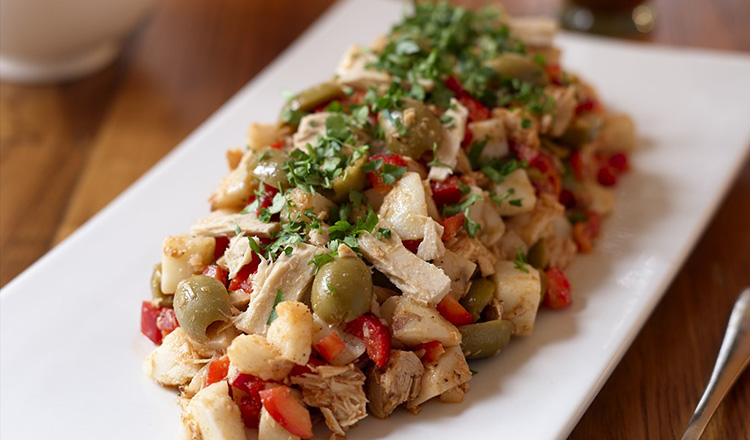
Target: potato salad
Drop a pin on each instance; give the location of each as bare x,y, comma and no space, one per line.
412,213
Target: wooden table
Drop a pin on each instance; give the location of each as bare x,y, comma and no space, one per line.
68,149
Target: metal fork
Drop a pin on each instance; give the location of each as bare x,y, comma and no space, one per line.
734,356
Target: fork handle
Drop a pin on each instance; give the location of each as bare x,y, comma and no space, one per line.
734,356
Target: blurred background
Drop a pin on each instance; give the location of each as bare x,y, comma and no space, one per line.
68,148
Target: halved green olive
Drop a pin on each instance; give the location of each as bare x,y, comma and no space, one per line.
412,130
162,299
485,339
308,99
516,65
584,129
199,302
538,255
352,179
479,295
268,167
342,290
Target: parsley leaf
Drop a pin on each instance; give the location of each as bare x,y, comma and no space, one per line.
520,261
274,315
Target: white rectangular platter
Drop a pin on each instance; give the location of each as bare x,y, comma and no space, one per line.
70,346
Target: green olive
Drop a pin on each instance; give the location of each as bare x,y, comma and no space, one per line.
538,255
478,297
199,302
411,130
308,99
515,65
485,339
342,290
352,179
162,299
268,167
584,129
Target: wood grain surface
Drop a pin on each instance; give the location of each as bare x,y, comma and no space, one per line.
67,150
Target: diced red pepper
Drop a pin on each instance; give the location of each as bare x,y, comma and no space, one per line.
250,407
149,315
451,225
287,411
166,322
551,182
218,272
278,145
619,161
453,311
430,352
221,246
588,105
241,281
468,136
477,111
555,73
584,232
299,370
376,335
377,181
217,370
607,176
523,151
446,192
330,346
248,383
558,289
412,245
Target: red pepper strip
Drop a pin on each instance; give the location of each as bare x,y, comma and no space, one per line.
376,335
558,289
453,311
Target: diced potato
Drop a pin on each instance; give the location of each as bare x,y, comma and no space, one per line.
459,270
182,256
300,201
535,224
291,331
236,187
565,106
493,132
214,415
405,207
253,354
175,361
617,135
451,370
260,136
269,429
520,293
487,214
413,323
521,195
597,198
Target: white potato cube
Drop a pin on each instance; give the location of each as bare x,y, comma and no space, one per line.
450,371
517,193
291,331
413,323
520,292
492,131
236,187
182,256
253,354
262,135
214,415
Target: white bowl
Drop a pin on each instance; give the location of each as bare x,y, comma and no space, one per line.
44,41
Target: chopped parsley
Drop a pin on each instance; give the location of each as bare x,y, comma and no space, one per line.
471,226
388,172
274,315
520,261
